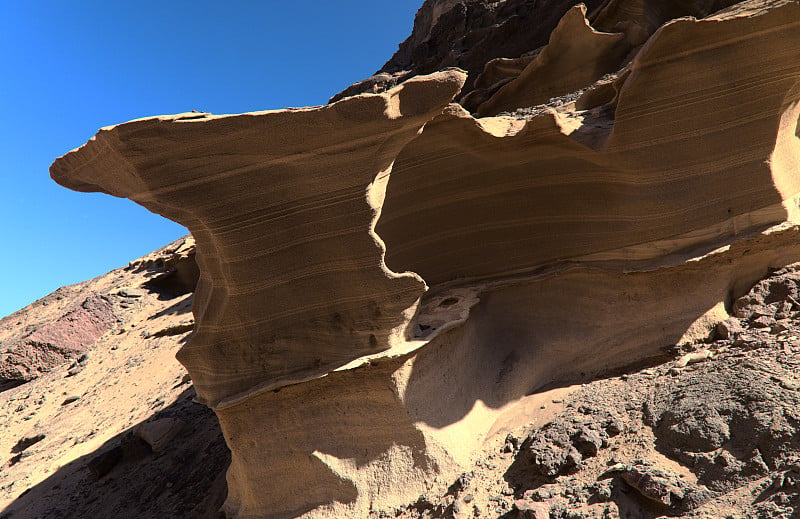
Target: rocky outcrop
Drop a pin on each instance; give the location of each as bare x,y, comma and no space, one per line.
466,34
175,271
493,41
70,321
382,277
40,349
299,203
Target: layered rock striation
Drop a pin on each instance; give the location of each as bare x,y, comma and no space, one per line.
289,190
382,277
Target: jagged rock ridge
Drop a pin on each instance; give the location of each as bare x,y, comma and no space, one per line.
383,278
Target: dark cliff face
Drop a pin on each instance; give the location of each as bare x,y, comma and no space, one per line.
468,34
472,32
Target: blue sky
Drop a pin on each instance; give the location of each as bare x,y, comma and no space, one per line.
69,68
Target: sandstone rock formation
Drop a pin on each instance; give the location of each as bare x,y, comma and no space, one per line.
383,277
299,203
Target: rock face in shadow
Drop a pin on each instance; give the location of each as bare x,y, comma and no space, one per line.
382,277
467,34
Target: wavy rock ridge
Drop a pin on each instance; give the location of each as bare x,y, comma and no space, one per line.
385,276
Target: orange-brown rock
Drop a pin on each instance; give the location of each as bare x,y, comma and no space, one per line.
684,160
286,189
571,240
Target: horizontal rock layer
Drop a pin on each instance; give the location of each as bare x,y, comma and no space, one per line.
683,158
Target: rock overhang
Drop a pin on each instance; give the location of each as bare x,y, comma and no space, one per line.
520,251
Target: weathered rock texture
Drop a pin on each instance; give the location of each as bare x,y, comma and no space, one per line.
494,41
39,349
290,189
381,277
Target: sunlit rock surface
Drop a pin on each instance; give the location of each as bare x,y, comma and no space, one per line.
286,189
383,276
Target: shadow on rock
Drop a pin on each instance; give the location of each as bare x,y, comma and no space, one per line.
170,465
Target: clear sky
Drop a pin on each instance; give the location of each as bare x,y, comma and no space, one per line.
69,68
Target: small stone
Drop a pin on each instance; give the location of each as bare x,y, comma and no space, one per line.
779,327
729,328
531,510
538,494
511,443
652,486
763,322
27,441
130,292
694,357
75,369
19,457
588,442
70,399
159,433
786,383
573,457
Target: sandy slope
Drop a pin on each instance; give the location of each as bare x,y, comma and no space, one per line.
130,377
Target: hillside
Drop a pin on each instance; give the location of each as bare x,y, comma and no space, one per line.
71,435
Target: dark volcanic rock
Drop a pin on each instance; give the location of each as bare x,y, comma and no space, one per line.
559,446
731,421
26,442
467,34
470,34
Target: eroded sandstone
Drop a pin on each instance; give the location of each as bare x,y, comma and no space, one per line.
381,278
289,190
